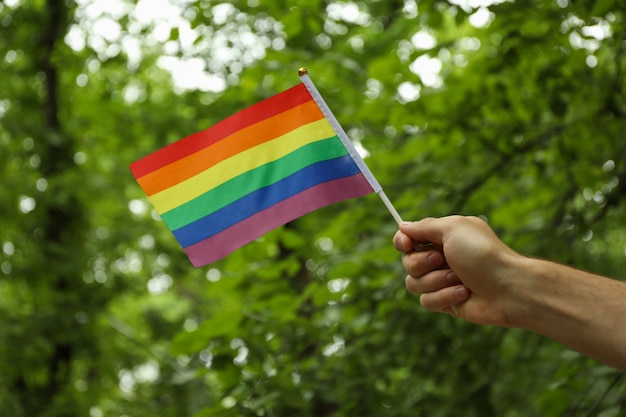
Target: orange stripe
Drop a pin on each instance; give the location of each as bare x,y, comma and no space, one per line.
250,115
239,141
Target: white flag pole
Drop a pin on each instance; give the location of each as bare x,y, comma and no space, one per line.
317,97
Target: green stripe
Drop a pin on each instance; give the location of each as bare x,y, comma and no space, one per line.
263,176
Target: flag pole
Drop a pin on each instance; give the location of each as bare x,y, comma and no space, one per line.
317,97
394,213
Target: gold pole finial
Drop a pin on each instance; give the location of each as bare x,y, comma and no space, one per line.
302,71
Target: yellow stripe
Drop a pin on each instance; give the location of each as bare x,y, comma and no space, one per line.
187,190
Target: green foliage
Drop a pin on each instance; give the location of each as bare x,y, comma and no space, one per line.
514,112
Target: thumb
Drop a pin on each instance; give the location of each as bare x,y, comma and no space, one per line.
425,230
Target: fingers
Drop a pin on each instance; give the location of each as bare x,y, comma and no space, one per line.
443,299
419,263
431,282
440,288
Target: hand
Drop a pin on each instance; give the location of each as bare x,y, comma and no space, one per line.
468,267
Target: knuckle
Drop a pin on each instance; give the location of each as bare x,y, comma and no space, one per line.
417,264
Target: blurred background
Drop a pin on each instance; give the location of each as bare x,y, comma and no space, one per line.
511,110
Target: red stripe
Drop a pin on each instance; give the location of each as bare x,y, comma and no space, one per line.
222,244
198,141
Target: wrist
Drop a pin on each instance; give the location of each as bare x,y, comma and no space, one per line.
521,285
540,293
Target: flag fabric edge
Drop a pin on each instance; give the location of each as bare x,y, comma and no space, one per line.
218,246
248,229
321,103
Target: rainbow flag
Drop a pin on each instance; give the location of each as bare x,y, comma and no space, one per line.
277,160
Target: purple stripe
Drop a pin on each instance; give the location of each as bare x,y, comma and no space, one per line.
218,246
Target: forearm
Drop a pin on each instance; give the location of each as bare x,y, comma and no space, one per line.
583,311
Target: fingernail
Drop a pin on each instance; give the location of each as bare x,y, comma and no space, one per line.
433,259
405,223
460,292
451,277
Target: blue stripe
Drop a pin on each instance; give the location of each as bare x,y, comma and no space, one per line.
264,198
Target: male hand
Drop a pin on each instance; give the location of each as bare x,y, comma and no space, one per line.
465,272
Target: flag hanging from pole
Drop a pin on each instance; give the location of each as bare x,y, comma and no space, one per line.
254,171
